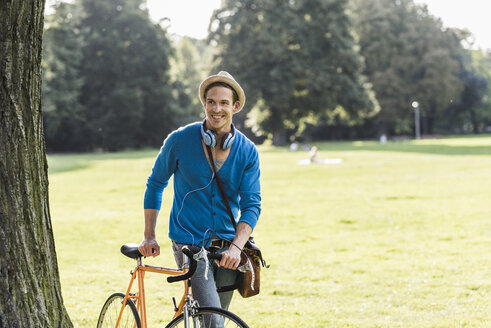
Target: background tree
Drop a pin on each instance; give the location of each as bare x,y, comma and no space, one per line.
188,68
296,59
31,294
67,125
107,82
468,113
408,56
125,68
476,97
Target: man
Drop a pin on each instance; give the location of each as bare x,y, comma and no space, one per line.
198,210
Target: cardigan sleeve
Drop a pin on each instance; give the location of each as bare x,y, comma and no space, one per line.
165,165
250,192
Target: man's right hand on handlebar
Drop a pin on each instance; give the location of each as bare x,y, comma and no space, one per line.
149,247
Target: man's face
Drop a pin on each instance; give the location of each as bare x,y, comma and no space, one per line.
219,108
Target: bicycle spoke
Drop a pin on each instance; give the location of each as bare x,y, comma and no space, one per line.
209,317
111,310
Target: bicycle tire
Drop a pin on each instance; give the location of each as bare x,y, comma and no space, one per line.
209,317
110,313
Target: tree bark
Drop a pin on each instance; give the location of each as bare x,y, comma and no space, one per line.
279,137
475,123
29,278
277,127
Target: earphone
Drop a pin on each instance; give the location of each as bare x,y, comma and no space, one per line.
209,137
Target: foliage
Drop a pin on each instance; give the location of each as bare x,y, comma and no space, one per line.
472,111
188,68
409,56
480,65
64,116
113,80
296,59
125,60
107,82
397,235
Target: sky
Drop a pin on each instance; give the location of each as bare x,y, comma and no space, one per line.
472,15
187,17
191,17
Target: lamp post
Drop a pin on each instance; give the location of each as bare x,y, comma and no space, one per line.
415,105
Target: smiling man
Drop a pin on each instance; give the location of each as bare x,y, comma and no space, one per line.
198,213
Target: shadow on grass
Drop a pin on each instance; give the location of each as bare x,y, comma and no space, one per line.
467,145
412,148
59,163
57,166
392,147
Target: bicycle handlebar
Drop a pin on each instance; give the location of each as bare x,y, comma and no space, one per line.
131,250
211,255
192,267
189,251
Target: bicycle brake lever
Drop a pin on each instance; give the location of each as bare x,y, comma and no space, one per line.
244,267
203,255
248,267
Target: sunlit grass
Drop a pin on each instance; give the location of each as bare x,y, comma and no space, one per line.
397,235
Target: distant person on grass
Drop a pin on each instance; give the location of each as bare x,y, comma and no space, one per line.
198,211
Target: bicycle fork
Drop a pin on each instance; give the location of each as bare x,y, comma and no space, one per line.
189,308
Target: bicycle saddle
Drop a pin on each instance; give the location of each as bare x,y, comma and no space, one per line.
131,250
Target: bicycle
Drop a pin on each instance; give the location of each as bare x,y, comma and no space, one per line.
128,309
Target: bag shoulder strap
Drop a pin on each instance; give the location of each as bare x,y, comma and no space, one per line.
250,242
220,187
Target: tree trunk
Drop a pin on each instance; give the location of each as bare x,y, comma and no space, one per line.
475,123
279,138
277,127
31,293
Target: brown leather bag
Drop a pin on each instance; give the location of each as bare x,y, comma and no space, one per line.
251,282
251,279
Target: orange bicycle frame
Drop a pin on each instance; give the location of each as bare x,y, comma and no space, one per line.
139,273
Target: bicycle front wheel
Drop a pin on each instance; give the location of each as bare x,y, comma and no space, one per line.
209,317
111,310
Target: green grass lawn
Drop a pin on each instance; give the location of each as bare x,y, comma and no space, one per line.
397,235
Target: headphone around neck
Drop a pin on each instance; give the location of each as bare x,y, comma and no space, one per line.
209,137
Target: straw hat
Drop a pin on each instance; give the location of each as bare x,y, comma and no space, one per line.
222,77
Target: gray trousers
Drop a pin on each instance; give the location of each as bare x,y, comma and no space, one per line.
205,290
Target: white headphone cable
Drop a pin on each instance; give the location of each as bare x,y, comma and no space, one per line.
182,205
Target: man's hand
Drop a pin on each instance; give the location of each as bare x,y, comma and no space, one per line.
149,247
230,258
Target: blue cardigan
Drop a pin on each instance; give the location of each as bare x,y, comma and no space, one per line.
197,204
